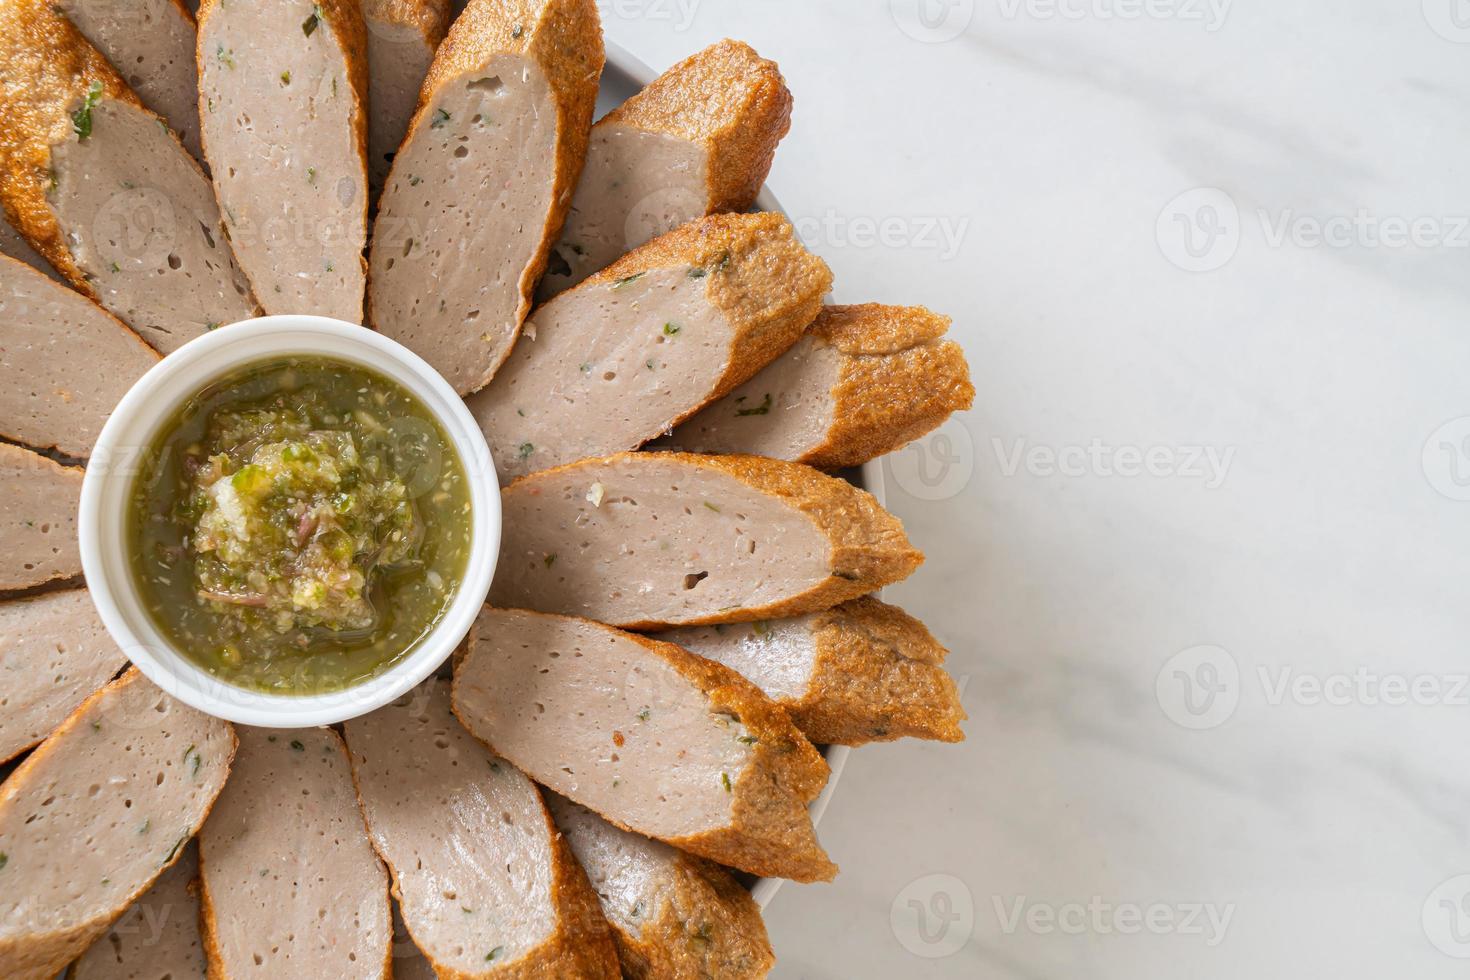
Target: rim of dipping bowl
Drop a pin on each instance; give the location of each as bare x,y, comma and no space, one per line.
136,424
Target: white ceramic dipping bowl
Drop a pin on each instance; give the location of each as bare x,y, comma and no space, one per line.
135,425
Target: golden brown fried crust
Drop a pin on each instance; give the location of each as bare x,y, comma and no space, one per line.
41,958
770,832
344,17
877,677
46,70
727,99
429,17
209,922
709,929
899,380
564,37
757,274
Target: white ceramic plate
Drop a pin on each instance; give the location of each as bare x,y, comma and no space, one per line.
623,76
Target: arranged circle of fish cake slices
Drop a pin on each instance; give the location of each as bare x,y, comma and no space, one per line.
640,540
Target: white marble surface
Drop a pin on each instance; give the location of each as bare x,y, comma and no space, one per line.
1325,546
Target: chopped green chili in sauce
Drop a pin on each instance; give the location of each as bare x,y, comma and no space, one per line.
299,526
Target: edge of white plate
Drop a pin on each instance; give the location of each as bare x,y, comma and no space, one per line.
639,74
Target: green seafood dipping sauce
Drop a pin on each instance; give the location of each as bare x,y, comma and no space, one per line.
299,525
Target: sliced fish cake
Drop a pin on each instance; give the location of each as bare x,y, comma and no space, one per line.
52,340
90,819
483,180
103,189
862,672
290,885
698,140
38,518
283,90
655,739
640,346
673,915
54,653
486,886
402,36
864,381
644,540
158,937
151,42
